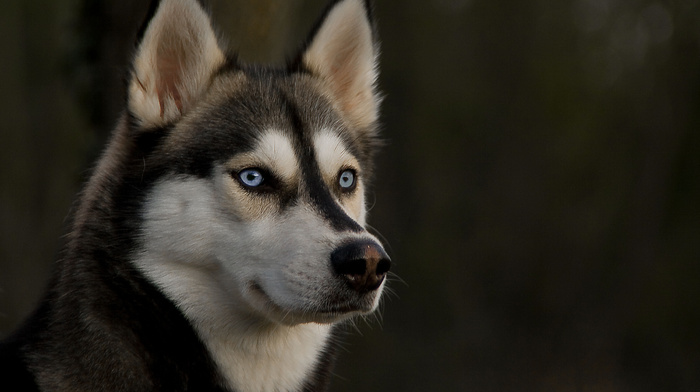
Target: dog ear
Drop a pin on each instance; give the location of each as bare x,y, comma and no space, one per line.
343,52
174,63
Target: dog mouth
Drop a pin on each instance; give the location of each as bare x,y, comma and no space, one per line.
328,312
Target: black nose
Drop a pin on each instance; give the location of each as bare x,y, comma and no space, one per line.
363,264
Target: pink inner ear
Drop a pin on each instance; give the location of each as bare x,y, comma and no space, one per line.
342,52
174,64
167,85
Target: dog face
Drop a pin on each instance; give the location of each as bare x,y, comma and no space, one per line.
257,207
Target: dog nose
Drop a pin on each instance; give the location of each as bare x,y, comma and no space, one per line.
363,264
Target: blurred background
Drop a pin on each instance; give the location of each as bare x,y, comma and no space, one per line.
539,189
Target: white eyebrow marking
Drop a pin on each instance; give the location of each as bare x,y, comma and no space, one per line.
275,149
331,153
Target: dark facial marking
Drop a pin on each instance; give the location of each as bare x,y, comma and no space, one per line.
319,193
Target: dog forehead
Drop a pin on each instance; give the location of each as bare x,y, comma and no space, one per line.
275,105
279,119
275,96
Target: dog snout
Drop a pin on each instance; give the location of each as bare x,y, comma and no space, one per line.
362,264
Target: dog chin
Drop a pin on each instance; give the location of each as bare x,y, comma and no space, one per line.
308,313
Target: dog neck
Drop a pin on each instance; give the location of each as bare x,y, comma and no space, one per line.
251,352
278,358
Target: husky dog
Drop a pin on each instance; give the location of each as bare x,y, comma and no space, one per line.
220,239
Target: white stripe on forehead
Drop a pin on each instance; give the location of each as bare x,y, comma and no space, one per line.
332,153
275,150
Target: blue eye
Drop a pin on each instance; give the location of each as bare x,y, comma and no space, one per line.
346,179
251,177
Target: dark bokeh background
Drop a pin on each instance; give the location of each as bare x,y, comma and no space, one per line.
539,191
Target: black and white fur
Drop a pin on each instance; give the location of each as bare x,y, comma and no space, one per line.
221,237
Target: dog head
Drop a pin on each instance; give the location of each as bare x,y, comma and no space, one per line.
256,203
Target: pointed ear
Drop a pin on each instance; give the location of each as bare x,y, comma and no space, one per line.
343,52
174,63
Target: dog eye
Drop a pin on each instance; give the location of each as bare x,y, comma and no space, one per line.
346,179
251,177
